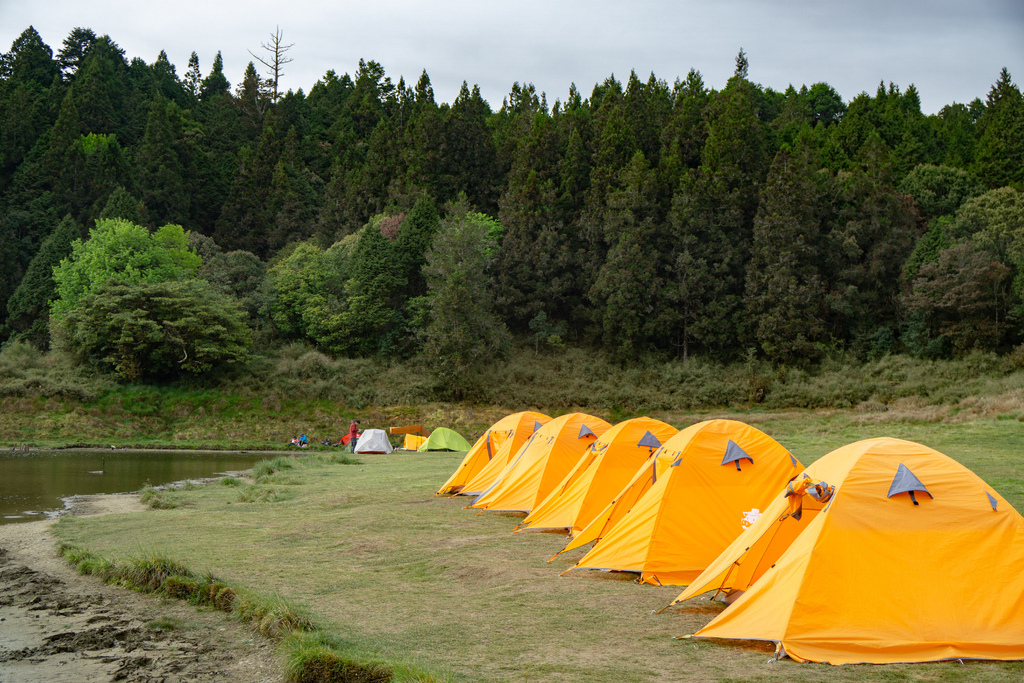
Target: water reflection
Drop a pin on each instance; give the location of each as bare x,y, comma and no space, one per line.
33,484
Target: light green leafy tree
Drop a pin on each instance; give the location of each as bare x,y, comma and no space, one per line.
309,292
121,251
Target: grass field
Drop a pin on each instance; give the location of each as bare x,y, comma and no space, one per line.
403,577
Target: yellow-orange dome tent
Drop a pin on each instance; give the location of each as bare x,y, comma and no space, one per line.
552,451
606,519
912,558
488,445
609,464
501,457
722,475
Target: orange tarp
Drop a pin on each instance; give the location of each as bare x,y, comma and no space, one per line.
608,466
874,577
408,429
512,430
552,451
723,473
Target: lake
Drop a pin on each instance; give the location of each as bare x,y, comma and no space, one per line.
32,484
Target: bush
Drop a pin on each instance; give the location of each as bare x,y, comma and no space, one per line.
316,658
265,468
156,499
272,616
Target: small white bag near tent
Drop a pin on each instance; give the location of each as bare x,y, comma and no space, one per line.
374,441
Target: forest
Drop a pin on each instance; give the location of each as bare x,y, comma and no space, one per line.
157,225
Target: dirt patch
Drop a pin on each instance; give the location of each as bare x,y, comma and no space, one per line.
58,626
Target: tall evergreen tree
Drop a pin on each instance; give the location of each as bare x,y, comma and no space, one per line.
215,82
246,220
627,293
412,242
464,333
872,235
28,309
785,293
30,60
162,166
999,158
76,47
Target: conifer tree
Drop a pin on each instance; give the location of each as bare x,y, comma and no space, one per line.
122,205
415,235
463,333
28,309
215,83
162,166
785,293
999,158
76,47
30,60
193,79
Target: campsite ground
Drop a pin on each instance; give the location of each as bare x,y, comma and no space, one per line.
400,576
59,626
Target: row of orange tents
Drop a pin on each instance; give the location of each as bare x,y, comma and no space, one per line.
881,551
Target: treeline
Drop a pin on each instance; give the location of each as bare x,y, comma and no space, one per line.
366,218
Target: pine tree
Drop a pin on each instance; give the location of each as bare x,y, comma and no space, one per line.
193,80
29,61
76,47
785,293
463,333
215,83
415,235
246,220
28,309
122,205
999,159
161,166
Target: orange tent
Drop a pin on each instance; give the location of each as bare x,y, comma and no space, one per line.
518,427
722,475
911,558
599,475
413,442
505,452
552,451
605,521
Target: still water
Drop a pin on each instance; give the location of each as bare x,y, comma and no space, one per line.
33,484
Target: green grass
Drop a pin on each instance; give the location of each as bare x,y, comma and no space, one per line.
45,402
397,578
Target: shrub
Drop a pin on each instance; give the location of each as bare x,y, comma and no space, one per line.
315,658
156,499
272,616
264,468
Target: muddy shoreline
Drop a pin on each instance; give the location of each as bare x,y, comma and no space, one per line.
56,625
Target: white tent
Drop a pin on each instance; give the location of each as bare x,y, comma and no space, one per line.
374,441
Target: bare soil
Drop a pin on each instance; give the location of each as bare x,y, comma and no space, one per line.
56,625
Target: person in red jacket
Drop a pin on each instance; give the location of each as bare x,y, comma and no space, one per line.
353,434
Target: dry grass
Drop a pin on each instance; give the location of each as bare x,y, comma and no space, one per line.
403,577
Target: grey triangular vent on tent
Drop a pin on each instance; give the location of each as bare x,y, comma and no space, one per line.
537,425
733,453
650,440
791,458
906,482
991,500
585,431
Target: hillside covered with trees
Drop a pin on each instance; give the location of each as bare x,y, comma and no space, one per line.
160,225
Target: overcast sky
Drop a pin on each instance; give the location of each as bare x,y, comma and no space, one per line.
952,50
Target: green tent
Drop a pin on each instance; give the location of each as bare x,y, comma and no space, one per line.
444,439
